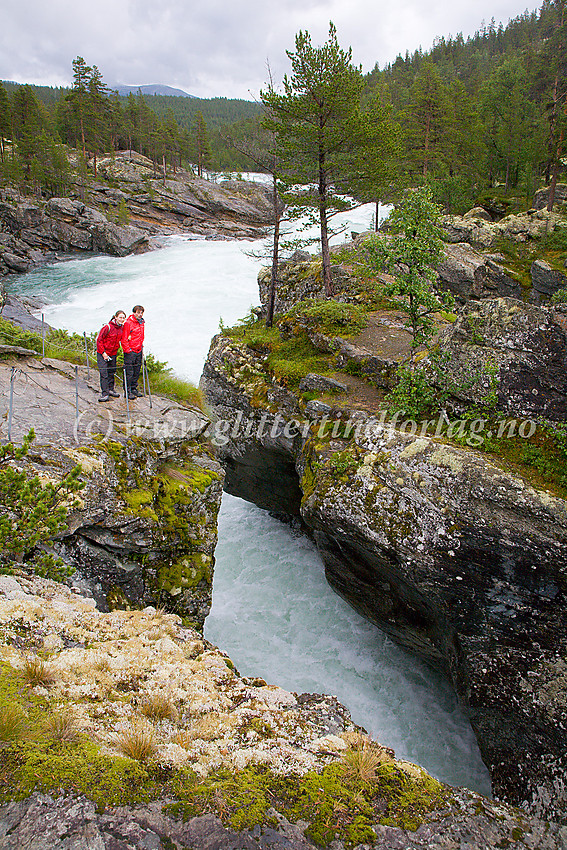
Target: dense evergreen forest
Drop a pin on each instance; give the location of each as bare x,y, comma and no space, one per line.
483,115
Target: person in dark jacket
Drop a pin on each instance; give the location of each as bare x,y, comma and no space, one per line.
107,345
132,346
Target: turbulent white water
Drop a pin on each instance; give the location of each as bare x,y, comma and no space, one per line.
272,609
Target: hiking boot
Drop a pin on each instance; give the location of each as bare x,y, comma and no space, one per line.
113,394
104,397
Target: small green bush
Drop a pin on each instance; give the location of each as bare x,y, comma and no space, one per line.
12,335
413,393
560,297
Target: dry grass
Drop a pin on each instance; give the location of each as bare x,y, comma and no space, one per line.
36,671
210,726
192,649
101,662
62,725
137,741
165,621
183,738
13,723
363,757
159,706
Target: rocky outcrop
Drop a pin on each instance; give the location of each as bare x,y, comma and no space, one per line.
510,355
545,281
32,233
183,202
301,279
458,558
483,235
128,187
541,197
468,273
144,526
230,762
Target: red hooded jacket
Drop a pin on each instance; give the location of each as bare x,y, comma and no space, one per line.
108,339
133,334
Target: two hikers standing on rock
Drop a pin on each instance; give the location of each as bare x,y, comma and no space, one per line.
130,333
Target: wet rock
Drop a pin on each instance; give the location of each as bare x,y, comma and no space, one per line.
320,383
144,527
38,231
468,273
459,559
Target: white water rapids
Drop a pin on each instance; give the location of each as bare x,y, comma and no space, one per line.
272,609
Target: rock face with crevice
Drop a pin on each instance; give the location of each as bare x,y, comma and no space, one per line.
105,669
458,558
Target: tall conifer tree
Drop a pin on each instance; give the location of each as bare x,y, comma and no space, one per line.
319,124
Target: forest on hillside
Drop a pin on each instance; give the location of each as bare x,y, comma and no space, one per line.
470,117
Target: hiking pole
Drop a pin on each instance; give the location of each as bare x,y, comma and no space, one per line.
11,404
77,393
126,395
148,381
42,337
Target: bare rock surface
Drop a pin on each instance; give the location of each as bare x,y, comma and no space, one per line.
513,350
137,195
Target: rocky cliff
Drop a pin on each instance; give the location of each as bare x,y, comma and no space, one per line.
181,202
459,556
127,729
118,212
144,528
520,256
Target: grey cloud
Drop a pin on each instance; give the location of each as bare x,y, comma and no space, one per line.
215,47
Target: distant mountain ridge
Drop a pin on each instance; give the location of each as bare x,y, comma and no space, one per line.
154,88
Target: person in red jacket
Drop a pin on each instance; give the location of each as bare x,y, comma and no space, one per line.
107,345
132,346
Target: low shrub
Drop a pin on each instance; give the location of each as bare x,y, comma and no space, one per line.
328,316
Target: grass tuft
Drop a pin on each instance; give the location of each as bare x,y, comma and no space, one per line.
137,741
37,672
159,706
363,758
61,725
13,723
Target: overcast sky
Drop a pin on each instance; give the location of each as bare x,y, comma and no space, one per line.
217,48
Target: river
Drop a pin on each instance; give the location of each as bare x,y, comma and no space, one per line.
273,611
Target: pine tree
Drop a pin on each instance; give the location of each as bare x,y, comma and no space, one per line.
5,120
412,255
28,121
428,119
97,110
202,145
319,124
78,97
552,82
376,174
505,106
